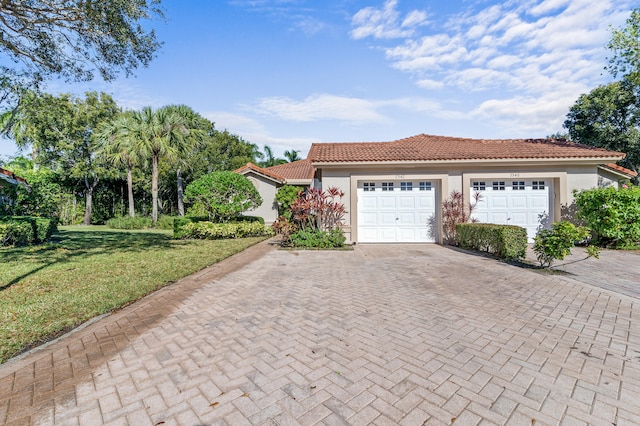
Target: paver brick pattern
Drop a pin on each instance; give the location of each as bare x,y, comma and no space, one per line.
383,334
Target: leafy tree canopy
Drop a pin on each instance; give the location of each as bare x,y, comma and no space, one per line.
609,116
625,45
223,195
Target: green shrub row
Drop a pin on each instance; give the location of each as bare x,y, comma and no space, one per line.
179,223
23,230
140,222
507,242
314,238
218,231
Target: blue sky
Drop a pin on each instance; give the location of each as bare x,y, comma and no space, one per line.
287,73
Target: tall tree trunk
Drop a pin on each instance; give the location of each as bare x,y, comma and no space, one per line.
154,191
132,210
180,192
88,200
34,157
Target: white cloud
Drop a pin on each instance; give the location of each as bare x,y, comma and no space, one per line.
426,83
386,23
321,107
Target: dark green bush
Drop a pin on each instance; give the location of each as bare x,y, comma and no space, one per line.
22,230
14,233
165,222
45,227
612,214
217,231
507,242
128,222
314,238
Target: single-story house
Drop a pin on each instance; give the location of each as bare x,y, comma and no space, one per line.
267,181
9,179
394,190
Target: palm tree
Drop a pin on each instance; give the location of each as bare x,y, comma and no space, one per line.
159,135
271,160
196,128
116,143
292,155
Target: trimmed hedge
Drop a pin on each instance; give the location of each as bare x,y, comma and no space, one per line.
23,230
179,223
140,222
507,242
218,231
318,239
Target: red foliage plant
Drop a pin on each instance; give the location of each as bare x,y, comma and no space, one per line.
454,211
319,210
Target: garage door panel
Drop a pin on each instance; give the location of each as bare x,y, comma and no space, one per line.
407,202
539,201
498,217
386,202
368,218
387,235
498,201
426,203
521,207
369,203
519,219
406,218
518,201
401,215
387,218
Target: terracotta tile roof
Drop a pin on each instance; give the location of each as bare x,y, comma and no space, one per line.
297,170
433,148
250,166
13,176
620,169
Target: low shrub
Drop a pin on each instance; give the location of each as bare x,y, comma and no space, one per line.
165,222
217,231
179,223
128,222
15,233
507,242
556,243
314,238
23,230
45,227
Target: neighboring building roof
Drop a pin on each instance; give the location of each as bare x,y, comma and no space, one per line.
250,167
300,170
11,177
443,148
619,170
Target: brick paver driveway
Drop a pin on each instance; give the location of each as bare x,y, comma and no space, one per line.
383,334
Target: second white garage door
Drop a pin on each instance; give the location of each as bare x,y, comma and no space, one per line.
525,203
395,211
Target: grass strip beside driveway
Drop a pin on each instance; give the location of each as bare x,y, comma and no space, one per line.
87,271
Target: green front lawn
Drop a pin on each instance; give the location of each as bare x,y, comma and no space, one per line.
87,271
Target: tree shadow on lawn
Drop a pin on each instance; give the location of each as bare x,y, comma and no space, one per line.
67,245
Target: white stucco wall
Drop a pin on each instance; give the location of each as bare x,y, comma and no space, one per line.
447,178
267,189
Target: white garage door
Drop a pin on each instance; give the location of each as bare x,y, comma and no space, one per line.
525,203
395,211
